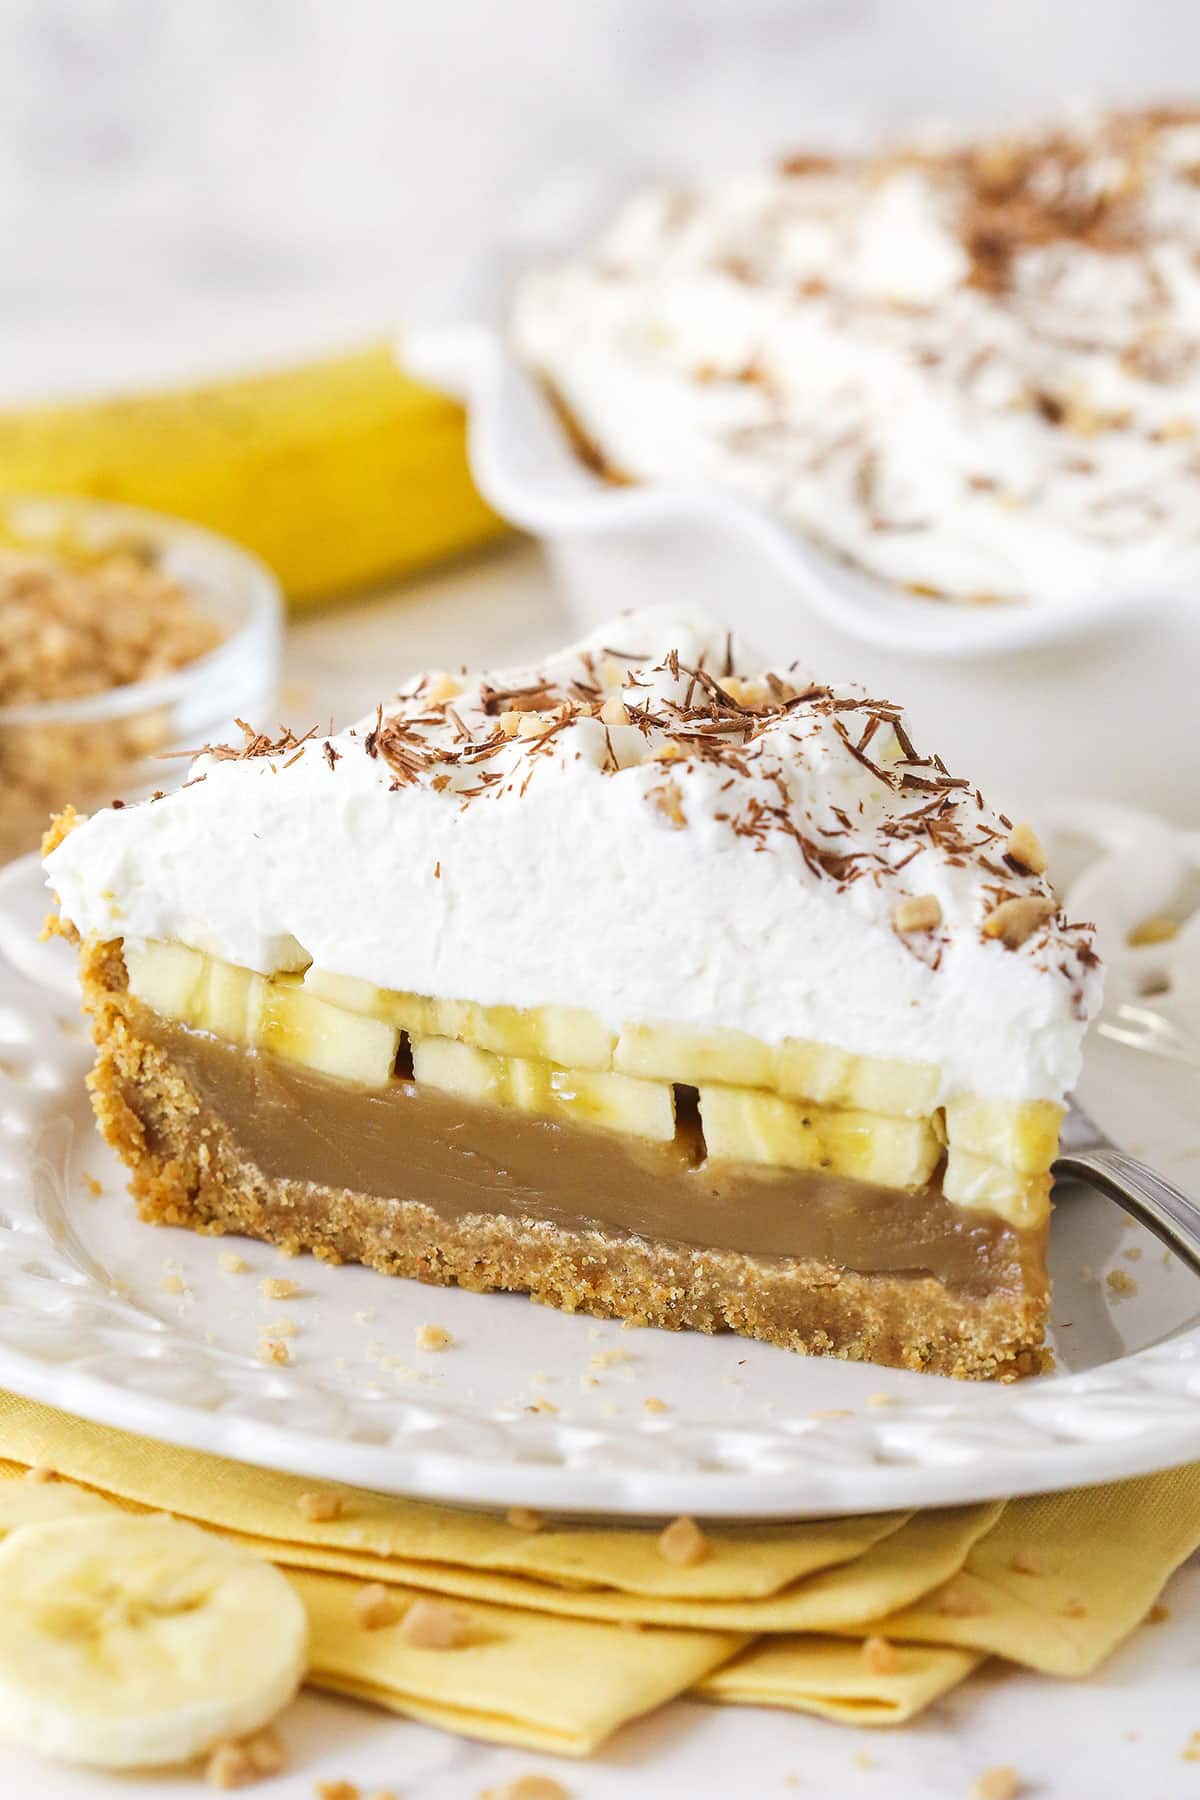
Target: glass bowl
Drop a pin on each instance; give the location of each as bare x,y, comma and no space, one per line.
117,744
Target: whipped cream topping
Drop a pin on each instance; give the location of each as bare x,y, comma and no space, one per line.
974,372
646,826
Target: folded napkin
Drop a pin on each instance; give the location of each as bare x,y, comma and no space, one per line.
572,1630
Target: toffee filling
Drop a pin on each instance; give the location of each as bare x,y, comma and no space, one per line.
468,1159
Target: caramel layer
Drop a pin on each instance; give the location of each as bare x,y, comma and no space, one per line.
464,1159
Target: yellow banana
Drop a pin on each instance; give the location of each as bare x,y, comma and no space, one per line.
337,472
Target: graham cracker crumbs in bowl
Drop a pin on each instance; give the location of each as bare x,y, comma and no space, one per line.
70,629
73,630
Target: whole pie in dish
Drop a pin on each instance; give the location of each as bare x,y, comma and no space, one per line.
644,981
968,368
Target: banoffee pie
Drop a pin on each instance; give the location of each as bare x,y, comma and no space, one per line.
645,981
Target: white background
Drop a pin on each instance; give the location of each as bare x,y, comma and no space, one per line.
187,181
190,183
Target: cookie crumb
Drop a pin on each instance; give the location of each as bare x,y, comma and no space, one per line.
524,1518
683,1543
278,1287
172,1284
1000,1782
270,1350
233,1765
337,1790
880,1399
319,1508
542,1406
956,1601
433,1337
879,1656
1191,1750
432,1625
374,1607
653,1404
1121,1283
94,1188
528,1787
232,1263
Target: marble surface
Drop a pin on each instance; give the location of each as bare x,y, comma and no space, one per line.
1122,1732
188,187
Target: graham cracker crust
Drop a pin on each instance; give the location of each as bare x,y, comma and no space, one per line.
187,1169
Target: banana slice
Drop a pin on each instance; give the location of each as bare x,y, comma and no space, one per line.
131,1642
25,1502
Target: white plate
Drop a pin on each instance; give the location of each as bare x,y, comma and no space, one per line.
86,1322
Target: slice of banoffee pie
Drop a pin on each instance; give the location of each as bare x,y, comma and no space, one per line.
643,981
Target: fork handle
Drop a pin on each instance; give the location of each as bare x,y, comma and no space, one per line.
1166,1212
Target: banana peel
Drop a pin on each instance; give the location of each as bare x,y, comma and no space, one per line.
339,472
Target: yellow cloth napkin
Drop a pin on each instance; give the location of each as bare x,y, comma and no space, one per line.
1062,1578
576,1629
828,1676
522,1678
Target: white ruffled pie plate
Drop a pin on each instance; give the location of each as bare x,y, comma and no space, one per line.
144,1329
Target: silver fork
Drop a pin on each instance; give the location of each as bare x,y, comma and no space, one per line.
1085,1154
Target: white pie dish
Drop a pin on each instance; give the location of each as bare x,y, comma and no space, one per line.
1095,695
87,1324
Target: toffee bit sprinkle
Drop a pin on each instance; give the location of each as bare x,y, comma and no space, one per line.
1024,851
918,912
1000,1782
668,803
879,1656
319,1508
683,1543
1015,920
433,1625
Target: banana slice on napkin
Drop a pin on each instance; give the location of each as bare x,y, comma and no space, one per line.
24,1502
134,1641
